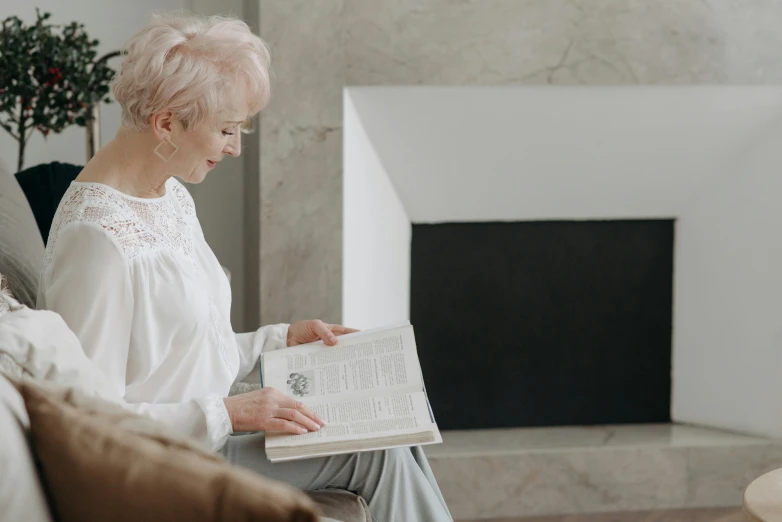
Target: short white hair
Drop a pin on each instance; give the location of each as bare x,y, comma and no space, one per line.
191,65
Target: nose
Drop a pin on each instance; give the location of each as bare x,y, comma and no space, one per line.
234,146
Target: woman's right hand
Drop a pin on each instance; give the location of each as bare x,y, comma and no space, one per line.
268,409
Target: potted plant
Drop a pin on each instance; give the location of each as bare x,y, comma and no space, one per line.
49,78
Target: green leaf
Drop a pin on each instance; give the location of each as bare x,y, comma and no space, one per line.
51,69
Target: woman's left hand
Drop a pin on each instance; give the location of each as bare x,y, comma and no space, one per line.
302,332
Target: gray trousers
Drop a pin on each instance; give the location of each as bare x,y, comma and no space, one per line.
397,484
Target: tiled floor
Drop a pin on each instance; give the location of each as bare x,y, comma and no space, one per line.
692,515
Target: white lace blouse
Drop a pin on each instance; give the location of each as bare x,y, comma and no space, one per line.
145,295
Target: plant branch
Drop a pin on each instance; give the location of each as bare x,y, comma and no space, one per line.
108,56
22,138
9,130
10,118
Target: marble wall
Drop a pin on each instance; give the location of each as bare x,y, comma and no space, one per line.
321,46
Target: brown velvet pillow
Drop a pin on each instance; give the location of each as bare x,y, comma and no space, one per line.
95,469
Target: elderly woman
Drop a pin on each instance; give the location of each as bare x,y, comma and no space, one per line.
128,269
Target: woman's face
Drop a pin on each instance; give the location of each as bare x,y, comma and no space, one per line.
204,146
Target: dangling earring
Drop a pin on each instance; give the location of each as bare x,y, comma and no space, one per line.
157,149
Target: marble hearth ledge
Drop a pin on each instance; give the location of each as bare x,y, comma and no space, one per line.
568,470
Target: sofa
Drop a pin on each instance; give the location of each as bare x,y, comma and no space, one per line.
21,252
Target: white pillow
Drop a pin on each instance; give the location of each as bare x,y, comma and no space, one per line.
43,345
7,363
21,495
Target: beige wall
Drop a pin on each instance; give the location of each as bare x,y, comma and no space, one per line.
322,46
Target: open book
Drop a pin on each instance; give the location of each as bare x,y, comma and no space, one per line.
368,388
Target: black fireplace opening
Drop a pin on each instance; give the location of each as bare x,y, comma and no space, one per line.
544,323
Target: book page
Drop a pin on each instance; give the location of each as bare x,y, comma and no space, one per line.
369,417
379,361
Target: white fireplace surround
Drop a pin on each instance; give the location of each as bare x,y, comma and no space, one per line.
708,156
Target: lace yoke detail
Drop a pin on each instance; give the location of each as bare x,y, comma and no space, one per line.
139,226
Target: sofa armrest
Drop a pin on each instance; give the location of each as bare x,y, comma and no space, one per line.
339,504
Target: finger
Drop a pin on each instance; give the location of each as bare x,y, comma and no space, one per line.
284,426
291,403
309,413
298,417
321,329
341,330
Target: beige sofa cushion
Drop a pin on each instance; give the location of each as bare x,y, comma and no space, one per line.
96,470
21,244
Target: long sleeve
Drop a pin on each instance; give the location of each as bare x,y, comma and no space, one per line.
204,419
252,344
89,284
